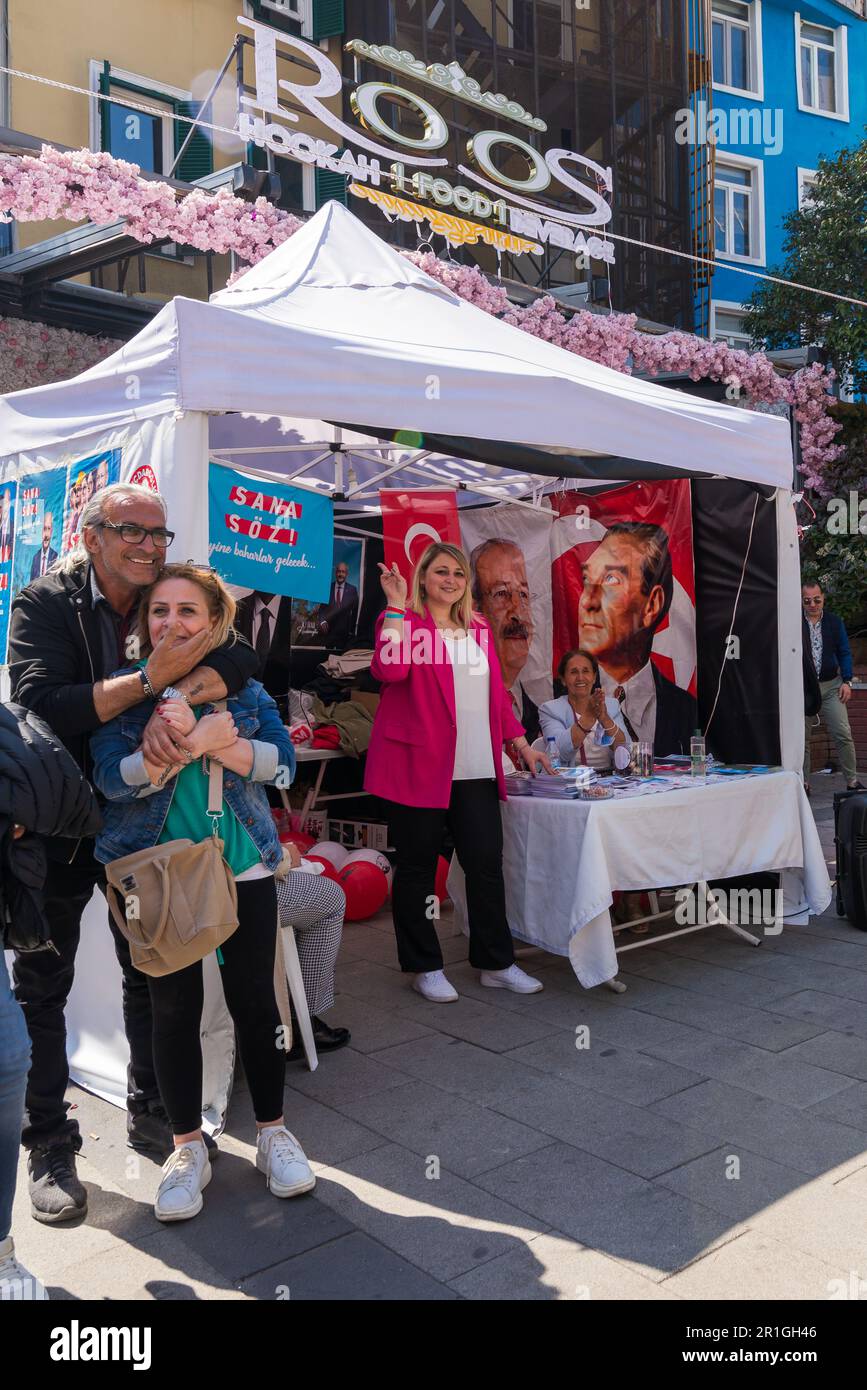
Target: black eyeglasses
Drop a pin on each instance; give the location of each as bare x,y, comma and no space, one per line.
134,535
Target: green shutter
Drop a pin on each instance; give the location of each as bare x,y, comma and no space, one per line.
198,157
104,87
328,18
330,188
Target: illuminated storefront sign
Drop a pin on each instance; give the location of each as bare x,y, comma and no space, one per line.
376,163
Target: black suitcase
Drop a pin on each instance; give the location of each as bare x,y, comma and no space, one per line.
850,841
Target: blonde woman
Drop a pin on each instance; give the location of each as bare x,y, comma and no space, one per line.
436,756
147,805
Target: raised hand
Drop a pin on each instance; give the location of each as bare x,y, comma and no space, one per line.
393,585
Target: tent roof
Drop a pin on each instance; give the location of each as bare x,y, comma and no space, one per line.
337,325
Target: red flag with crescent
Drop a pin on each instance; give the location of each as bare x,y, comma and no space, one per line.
411,521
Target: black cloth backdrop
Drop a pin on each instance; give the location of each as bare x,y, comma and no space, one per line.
746,725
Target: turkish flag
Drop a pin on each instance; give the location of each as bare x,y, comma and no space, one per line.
411,521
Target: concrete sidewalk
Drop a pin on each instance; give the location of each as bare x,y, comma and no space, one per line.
711,1142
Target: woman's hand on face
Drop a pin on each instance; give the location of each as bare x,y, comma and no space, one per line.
214,732
393,585
178,715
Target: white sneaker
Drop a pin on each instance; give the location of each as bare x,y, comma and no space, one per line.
433,985
514,978
282,1159
185,1173
16,1282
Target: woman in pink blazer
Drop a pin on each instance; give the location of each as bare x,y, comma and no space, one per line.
436,755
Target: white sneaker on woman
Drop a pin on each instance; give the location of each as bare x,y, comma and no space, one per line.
282,1159
514,978
185,1173
16,1282
434,986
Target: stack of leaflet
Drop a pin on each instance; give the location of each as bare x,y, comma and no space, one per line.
564,785
518,783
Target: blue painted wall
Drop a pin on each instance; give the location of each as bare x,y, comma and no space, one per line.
805,136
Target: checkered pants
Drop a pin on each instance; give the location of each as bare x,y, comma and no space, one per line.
314,905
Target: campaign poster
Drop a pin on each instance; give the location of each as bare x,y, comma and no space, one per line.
7,539
39,524
334,622
85,478
270,536
510,564
623,589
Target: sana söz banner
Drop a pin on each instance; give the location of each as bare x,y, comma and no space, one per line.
268,536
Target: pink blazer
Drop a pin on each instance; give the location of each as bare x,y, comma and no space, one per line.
411,757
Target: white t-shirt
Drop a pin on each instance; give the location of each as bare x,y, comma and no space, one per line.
473,755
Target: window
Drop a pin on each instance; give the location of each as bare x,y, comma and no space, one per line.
736,34
310,19
727,325
142,137
823,81
738,209
806,183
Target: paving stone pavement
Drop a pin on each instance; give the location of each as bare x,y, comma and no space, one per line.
710,1142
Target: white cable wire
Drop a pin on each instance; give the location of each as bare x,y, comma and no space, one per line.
734,615
614,236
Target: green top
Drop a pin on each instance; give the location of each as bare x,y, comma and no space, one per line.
188,817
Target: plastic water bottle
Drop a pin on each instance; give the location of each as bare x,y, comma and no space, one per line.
553,753
698,766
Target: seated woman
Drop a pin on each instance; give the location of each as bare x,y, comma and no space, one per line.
587,727
148,805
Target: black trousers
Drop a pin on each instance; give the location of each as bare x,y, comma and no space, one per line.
42,984
248,984
473,818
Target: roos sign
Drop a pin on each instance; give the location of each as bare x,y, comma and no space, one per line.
369,102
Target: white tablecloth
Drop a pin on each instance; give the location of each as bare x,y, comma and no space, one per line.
562,861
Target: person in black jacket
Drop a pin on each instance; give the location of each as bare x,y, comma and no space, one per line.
68,632
825,640
42,792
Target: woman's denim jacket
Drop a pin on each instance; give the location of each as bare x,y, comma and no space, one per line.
135,814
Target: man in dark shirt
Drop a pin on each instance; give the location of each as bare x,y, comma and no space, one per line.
826,642
69,630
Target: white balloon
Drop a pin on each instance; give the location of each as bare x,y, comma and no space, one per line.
371,856
336,854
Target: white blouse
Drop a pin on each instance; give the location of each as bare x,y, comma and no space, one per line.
473,754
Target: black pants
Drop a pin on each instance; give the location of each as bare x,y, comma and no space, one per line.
42,984
248,984
473,817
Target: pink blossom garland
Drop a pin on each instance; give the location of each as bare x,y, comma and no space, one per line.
77,185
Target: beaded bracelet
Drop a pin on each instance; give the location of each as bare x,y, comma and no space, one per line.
395,613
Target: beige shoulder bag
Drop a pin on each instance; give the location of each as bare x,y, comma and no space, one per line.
180,898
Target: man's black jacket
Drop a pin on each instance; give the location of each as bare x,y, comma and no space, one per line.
55,658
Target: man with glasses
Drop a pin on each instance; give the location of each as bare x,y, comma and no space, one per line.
501,589
69,630
825,638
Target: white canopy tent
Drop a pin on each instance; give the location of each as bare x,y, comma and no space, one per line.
422,387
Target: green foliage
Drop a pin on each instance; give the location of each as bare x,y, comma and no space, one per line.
825,247
839,561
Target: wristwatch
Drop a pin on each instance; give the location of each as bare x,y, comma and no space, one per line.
172,693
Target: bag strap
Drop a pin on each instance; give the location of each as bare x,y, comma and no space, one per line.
215,781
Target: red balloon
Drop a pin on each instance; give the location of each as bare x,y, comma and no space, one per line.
294,837
366,889
440,889
328,869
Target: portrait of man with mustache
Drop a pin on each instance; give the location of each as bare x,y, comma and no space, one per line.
502,593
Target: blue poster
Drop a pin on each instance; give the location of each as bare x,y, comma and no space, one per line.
40,524
7,539
270,536
86,477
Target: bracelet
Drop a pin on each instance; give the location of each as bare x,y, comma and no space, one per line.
395,612
148,688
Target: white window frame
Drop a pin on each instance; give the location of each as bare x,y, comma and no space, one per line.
805,178
841,69
757,67
159,87
727,306
300,10
757,229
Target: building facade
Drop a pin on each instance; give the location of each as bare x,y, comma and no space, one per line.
788,86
